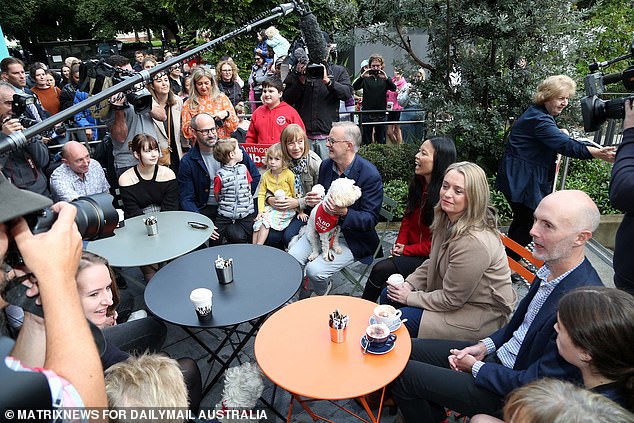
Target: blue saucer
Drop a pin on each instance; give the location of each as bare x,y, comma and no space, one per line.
384,349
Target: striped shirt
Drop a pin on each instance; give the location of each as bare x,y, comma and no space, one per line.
507,354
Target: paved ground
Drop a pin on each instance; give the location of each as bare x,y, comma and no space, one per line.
178,344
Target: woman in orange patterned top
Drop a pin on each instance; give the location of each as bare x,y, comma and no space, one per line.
206,97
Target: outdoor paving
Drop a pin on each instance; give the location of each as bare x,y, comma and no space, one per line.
178,345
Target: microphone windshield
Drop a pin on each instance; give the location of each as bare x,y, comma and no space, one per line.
317,49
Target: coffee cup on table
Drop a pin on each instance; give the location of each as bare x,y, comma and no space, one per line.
201,298
395,279
378,335
386,314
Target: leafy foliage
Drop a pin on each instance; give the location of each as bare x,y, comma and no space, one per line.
397,190
593,178
392,161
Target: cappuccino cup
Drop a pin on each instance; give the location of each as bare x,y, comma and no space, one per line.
386,314
395,279
378,335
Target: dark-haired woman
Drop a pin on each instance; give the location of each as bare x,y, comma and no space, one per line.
147,187
414,238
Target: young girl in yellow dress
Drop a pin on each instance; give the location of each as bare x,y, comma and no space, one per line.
278,180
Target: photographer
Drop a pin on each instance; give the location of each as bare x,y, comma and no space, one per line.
59,347
622,198
24,167
375,85
316,98
124,123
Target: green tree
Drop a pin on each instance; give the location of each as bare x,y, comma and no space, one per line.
500,49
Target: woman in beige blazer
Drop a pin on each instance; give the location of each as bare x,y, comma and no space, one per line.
168,132
464,290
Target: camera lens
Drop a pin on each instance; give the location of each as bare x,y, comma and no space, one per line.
96,217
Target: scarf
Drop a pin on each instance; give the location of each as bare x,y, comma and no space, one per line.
298,167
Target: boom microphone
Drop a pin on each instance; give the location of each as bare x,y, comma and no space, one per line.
317,49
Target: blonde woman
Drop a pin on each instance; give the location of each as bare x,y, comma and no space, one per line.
464,290
204,96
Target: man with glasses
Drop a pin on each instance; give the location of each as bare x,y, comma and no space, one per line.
198,169
358,238
375,84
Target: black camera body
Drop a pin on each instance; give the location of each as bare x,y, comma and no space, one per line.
18,108
96,219
596,111
373,72
314,72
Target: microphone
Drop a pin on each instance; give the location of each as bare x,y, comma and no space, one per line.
317,49
301,56
612,78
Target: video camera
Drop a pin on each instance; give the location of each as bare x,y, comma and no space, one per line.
140,97
596,111
18,108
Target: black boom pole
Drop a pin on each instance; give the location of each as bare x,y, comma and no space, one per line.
19,139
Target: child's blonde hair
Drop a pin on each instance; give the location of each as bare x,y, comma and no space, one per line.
275,151
271,32
223,148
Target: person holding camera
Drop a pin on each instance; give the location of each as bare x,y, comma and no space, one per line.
54,361
315,91
24,167
375,85
621,190
124,123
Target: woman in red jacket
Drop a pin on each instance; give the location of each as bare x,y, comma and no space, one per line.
414,238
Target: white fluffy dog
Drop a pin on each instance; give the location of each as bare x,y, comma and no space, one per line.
243,387
322,226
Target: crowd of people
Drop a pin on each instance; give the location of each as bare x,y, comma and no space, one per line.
475,350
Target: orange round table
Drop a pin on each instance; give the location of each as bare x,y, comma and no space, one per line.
294,350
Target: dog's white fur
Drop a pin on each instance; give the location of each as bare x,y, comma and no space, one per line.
343,193
243,387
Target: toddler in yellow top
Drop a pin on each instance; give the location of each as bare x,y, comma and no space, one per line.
279,181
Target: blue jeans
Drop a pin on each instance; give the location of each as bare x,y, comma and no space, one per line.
413,314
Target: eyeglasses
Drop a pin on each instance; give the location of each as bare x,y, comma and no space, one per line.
332,141
205,131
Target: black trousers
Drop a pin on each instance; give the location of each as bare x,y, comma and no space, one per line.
520,228
428,385
404,265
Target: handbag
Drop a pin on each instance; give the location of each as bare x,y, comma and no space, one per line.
166,153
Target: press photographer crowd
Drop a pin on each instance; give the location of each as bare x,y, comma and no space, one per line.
103,141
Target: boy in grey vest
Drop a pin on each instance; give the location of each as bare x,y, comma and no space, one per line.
232,189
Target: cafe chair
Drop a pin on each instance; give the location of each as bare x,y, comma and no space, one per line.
525,254
387,212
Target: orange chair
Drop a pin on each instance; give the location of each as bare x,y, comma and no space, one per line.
525,254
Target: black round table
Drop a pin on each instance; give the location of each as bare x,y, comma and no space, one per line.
264,278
